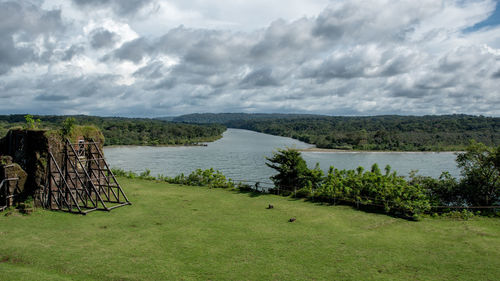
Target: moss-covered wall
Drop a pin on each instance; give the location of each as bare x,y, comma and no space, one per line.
9,170
30,149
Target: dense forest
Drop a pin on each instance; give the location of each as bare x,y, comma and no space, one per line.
391,132
127,131
228,118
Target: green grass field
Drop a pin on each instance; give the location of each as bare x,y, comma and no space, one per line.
190,233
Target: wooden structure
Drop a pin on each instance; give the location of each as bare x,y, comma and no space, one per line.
6,196
82,182
12,179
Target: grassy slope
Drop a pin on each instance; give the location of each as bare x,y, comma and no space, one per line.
182,233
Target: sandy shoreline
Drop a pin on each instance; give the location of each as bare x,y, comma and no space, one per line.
158,145
332,150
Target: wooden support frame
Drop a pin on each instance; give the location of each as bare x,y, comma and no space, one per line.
83,182
6,196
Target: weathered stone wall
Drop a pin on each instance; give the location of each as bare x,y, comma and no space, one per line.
29,149
9,170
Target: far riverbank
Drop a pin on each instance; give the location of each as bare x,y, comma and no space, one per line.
333,150
241,155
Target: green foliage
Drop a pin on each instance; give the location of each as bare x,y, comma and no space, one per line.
67,126
459,215
403,133
388,191
209,177
32,123
480,184
371,188
441,192
125,131
292,170
199,177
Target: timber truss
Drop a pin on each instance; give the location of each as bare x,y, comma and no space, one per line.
83,182
7,197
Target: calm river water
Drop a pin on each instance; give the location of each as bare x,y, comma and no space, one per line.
240,155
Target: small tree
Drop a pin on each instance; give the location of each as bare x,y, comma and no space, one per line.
291,167
67,126
32,123
480,164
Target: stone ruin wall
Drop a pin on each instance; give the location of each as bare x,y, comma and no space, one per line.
24,155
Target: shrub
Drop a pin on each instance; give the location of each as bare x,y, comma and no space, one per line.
67,126
441,192
388,192
480,184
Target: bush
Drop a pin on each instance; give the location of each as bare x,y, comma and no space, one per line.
67,126
441,192
480,184
388,192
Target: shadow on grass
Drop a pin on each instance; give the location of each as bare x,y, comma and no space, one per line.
250,193
358,207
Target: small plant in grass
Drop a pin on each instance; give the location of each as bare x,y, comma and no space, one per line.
459,215
146,175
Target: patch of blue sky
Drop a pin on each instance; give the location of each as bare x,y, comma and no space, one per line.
492,20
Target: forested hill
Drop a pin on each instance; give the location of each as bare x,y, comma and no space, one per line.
227,118
128,131
391,132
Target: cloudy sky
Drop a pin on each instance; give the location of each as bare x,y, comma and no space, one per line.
170,57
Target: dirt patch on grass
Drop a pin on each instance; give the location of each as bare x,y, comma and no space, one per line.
7,259
478,232
381,224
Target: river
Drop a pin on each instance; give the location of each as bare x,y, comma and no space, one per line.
241,155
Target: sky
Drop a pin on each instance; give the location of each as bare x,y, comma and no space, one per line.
151,58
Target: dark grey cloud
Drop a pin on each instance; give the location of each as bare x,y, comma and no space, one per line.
436,82
72,51
332,23
31,19
134,50
412,93
59,88
11,56
342,67
165,84
102,38
496,75
357,21
262,77
151,71
289,43
51,97
121,7
20,24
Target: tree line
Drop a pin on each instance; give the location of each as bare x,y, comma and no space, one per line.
390,132
124,131
478,189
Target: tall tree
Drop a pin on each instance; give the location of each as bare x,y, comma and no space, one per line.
292,169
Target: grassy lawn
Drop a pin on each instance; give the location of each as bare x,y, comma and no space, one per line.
189,233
